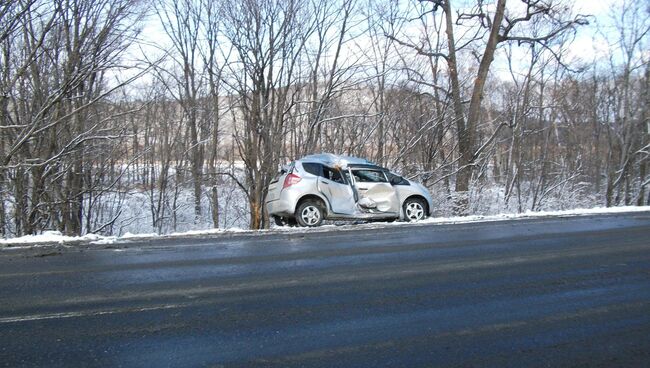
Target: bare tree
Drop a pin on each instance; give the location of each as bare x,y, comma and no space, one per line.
493,28
268,37
214,60
331,26
63,52
626,146
182,22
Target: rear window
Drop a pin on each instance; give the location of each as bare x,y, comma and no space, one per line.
312,168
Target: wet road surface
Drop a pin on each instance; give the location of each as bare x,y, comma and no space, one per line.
569,291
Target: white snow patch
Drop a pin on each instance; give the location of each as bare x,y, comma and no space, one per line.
49,237
106,240
531,214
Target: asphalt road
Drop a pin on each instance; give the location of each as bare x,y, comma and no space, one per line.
525,293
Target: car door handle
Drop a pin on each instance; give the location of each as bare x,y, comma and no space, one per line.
324,183
362,188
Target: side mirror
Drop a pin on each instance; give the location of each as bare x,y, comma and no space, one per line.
396,180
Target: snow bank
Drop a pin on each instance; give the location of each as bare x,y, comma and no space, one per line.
50,237
537,214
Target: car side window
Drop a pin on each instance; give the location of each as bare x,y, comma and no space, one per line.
391,176
369,176
333,175
313,168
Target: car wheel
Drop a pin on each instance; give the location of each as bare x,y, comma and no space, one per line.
415,209
309,214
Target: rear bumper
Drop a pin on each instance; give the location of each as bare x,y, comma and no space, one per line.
279,207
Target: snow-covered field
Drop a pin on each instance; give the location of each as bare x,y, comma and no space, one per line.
51,237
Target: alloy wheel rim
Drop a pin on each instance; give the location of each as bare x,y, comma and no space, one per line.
414,211
310,215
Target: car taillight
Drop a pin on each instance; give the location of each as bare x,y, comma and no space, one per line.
290,180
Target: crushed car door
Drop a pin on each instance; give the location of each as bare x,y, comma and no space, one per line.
337,191
375,192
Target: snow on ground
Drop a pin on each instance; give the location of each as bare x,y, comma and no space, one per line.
50,237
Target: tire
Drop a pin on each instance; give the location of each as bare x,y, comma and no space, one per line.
415,209
309,214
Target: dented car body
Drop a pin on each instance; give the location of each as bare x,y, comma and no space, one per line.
327,186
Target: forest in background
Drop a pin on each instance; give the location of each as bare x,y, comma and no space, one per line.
163,116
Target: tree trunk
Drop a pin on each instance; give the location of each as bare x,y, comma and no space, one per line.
642,174
467,128
464,171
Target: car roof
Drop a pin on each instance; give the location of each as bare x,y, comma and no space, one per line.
341,161
337,160
366,166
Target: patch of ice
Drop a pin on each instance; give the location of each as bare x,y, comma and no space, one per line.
209,232
136,236
197,232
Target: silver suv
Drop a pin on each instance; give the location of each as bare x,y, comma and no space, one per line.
327,186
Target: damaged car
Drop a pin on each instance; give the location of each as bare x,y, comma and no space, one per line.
332,187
